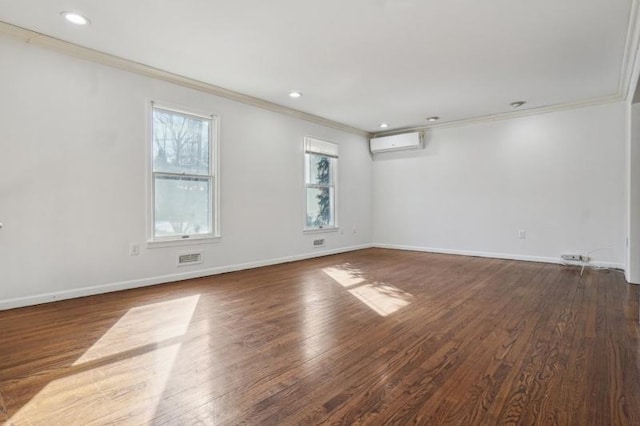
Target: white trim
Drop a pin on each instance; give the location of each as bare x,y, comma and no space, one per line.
311,231
626,79
217,186
213,176
509,115
321,147
85,53
629,72
522,257
335,164
144,282
153,244
627,194
182,110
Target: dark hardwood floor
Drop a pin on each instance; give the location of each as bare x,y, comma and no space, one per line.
368,337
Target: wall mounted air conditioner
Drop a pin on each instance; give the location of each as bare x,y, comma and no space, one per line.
396,142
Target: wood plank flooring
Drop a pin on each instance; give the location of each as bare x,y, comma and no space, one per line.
369,337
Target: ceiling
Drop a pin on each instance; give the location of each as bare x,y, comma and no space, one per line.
365,62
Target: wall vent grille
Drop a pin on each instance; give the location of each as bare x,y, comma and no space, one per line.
189,258
318,243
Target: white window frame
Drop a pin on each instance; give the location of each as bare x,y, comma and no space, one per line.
328,149
213,176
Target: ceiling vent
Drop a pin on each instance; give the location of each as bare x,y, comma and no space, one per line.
190,258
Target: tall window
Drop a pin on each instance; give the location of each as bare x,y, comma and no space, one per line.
320,161
183,175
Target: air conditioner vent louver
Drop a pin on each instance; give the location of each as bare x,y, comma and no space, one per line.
411,140
189,258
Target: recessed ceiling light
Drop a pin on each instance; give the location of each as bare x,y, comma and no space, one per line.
517,104
434,118
295,94
383,125
75,18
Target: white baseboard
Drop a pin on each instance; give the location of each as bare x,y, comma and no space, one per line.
144,282
507,256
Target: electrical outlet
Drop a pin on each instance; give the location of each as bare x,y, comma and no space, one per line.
573,257
522,234
134,249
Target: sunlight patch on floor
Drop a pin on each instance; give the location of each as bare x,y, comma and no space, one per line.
125,371
143,326
344,276
382,298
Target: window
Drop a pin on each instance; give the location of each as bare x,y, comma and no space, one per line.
184,185
320,161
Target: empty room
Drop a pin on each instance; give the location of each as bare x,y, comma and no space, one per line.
341,212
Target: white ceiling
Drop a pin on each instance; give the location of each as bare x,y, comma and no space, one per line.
364,62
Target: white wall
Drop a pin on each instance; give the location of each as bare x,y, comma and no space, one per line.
558,176
633,268
73,180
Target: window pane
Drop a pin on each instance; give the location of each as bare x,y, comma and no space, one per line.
319,207
180,143
182,206
319,169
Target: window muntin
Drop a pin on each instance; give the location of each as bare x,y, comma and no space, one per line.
320,184
182,175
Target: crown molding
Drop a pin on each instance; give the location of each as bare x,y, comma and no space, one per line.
629,75
508,115
71,49
630,70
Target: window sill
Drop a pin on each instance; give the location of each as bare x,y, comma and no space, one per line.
321,230
182,242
